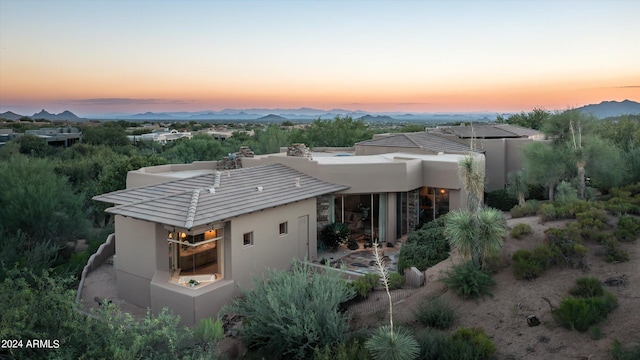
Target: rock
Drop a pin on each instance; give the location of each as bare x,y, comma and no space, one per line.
532,320
616,281
413,277
232,348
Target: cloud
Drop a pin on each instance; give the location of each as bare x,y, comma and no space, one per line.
125,101
626,87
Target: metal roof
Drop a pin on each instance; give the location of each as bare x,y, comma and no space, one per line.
205,199
486,131
422,140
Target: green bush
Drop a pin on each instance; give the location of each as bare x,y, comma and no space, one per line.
335,234
628,228
620,353
365,284
547,212
527,265
613,250
595,333
590,305
209,331
469,344
353,349
592,219
468,281
398,344
424,248
396,281
289,314
587,287
432,344
520,230
530,208
501,200
566,246
435,313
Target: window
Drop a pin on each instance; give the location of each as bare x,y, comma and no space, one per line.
283,228
247,239
196,259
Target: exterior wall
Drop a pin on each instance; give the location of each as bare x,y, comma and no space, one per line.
269,249
154,174
503,156
135,258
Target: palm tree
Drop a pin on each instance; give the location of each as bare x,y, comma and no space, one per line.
517,186
476,235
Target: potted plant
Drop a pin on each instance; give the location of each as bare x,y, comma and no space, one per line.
193,282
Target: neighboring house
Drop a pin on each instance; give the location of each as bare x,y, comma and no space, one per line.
60,137
162,137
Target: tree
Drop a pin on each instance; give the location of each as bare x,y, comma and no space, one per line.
517,186
108,133
534,119
201,147
33,145
544,165
341,131
270,139
38,203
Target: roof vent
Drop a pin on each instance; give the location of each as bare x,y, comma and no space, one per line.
212,190
259,188
298,182
216,181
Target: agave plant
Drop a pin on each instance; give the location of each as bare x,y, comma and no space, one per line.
335,234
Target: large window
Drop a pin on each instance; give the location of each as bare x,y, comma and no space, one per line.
196,259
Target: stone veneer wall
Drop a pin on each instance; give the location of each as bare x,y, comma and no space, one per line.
234,161
299,150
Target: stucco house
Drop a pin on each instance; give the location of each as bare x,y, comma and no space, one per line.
189,236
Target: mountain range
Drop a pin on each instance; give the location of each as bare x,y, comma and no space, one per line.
602,110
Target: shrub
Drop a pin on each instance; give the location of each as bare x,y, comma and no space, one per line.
613,251
396,344
593,219
432,344
423,249
468,280
565,193
469,343
288,314
528,266
547,212
435,313
365,284
628,228
566,247
520,230
500,199
530,208
396,281
335,234
581,313
620,353
587,287
353,349
595,333
208,330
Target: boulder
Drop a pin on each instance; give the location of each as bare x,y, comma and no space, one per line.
413,277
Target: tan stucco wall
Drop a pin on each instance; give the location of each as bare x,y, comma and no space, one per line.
503,156
376,150
135,258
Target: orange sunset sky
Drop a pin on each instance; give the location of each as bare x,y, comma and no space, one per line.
102,57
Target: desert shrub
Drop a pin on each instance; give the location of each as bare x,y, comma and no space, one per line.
352,349
526,265
335,234
398,344
288,314
468,281
423,249
500,199
435,313
432,344
587,287
547,212
468,344
530,208
621,353
613,250
628,228
396,281
580,313
365,284
592,219
493,263
520,230
209,331
565,193
566,246
595,333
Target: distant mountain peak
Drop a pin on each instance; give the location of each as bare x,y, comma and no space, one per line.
611,108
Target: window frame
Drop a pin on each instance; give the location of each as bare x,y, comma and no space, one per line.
286,228
244,239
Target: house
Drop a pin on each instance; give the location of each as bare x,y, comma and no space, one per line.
58,137
189,236
163,137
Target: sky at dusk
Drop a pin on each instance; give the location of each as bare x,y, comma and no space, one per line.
99,57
